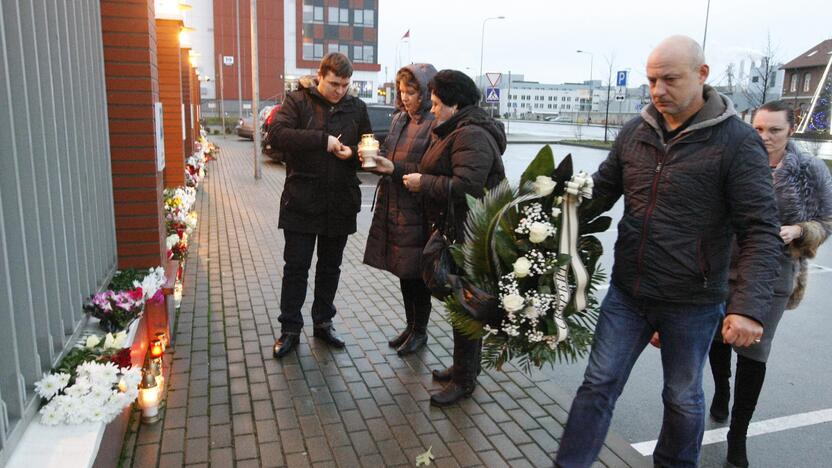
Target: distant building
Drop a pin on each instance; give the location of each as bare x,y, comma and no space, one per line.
803,75
293,37
568,102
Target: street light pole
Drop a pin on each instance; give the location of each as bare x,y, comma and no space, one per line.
707,14
255,91
239,65
482,46
591,60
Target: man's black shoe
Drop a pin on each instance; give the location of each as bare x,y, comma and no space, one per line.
328,335
285,344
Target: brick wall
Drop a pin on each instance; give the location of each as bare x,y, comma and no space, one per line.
130,49
170,93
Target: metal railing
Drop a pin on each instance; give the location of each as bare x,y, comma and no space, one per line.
57,234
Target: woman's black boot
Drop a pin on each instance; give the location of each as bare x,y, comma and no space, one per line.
405,334
720,359
419,336
750,377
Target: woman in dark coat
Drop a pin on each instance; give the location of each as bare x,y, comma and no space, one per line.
803,188
467,153
398,233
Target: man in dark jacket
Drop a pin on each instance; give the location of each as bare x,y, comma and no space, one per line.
692,175
318,129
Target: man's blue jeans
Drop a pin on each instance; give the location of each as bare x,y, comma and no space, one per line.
624,328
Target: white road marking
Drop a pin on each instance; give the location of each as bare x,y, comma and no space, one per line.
814,268
715,436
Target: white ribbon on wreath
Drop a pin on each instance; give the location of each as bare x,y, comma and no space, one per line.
577,188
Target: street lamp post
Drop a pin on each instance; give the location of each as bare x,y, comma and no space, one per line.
482,45
255,91
591,59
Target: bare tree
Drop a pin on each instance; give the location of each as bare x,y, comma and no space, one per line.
762,76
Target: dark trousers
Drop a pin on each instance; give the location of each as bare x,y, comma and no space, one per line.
298,257
416,298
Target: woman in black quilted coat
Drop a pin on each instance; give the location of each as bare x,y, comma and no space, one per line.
464,159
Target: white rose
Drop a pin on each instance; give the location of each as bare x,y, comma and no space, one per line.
521,267
538,232
120,339
543,185
92,342
109,341
556,212
513,302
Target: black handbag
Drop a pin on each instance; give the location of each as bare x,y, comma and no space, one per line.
437,263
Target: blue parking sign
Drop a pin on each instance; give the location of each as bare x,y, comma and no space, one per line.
621,78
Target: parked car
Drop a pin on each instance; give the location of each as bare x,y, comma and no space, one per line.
245,127
380,119
558,118
265,148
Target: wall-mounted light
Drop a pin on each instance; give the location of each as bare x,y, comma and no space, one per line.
193,57
149,397
168,9
185,36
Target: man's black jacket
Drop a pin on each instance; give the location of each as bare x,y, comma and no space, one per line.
321,194
684,200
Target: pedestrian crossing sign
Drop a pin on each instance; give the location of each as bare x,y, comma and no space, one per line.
492,95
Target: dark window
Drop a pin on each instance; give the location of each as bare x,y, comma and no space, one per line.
358,34
331,32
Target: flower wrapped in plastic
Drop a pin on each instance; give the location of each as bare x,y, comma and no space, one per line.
529,267
151,285
116,310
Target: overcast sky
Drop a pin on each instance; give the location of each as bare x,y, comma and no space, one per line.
539,38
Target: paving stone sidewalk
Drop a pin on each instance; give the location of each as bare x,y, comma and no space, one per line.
229,403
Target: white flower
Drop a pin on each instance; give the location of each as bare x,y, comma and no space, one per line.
538,232
48,386
109,341
50,415
63,379
96,413
513,302
543,185
531,313
132,376
521,267
92,342
555,211
171,240
120,339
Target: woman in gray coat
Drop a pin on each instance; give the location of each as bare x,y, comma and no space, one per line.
398,232
803,188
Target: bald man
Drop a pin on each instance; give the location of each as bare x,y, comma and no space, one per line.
692,175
